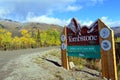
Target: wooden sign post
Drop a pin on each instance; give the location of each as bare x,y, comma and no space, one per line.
95,41
108,58
64,56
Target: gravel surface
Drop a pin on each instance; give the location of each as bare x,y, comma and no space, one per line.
7,56
39,64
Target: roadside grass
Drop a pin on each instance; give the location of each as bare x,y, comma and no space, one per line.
118,70
93,64
39,60
79,62
55,53
90,63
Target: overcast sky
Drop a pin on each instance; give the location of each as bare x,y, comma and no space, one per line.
61,11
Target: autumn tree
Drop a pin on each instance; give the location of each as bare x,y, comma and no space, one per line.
26,40
52,37
29,39
5,38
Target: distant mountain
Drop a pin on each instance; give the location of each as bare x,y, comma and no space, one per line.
116,31
41,26
15,27
10,26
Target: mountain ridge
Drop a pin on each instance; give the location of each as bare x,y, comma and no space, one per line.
15,27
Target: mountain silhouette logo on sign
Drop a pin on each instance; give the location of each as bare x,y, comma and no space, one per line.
76,28
82,35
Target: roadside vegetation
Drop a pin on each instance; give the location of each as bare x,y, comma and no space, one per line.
29,39
117,46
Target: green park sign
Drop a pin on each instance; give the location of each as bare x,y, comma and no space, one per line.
84,51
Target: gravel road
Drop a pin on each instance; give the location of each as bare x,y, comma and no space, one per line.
6,56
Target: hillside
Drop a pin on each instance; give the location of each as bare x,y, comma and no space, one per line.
116,31
16,27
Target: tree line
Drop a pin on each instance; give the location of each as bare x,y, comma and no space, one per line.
33,38
29,39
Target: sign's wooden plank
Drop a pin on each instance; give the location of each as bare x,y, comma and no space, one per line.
103,54
108,58
64,56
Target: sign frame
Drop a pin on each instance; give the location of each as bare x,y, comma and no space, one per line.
108,58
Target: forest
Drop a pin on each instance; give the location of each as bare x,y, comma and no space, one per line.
29,39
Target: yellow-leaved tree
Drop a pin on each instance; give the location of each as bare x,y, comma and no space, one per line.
5,39
26,40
